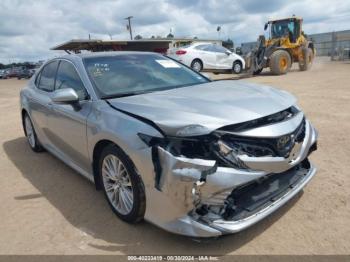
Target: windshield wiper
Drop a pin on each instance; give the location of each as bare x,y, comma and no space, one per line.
122,95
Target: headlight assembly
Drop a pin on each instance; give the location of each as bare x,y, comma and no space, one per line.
191,147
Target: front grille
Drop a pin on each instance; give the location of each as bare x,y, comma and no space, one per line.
258,147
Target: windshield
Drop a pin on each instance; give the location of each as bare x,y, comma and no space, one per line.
283,28
132,74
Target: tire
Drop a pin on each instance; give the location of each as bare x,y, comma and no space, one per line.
125,193
197,65
308,57
31,134
280,62
237,67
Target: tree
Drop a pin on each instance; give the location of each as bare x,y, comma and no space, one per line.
228,43
170,35
138,37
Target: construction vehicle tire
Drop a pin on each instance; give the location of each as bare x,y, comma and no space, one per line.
280,62
306,62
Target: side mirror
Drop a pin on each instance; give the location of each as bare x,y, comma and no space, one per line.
67,95
228,52
265,26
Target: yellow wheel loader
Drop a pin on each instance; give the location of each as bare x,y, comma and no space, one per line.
286,44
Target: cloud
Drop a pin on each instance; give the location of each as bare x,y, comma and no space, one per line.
29,28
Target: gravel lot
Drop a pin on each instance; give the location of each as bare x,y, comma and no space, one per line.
47,208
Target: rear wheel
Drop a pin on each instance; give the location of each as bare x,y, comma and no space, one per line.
197,65
280,62
31,135
306,62
122,185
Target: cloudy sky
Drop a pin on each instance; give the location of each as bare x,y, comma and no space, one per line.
28,28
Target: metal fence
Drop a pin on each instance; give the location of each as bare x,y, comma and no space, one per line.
331,44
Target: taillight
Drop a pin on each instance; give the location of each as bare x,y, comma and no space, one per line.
180,52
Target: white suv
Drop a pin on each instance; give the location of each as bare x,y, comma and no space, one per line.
208,56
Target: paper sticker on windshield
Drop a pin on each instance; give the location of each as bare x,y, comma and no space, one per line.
168,63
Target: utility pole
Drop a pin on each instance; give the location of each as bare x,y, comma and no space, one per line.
129,26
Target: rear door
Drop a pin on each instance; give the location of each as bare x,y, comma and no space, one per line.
205,53
67,126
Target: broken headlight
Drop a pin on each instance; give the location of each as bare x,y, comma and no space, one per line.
228,155
209,147
191,147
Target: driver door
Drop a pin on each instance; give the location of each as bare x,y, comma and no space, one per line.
67,126
224,59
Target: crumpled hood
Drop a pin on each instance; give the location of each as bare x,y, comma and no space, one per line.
211,105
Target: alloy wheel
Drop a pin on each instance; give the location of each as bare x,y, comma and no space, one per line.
29,132
197,66
117,183
237,68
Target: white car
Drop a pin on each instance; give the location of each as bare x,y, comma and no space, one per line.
208,56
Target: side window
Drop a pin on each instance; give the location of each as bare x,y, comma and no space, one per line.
208,48
200,47
219,49
37,79
67,77
47,78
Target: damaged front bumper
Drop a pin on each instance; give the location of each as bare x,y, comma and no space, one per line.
227,200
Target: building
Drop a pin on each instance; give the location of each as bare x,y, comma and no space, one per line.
160,45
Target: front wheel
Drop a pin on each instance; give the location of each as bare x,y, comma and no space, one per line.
280,62
122,185
237,67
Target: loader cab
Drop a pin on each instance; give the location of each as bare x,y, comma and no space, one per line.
289,27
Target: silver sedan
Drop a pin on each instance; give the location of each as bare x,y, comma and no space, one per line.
166,144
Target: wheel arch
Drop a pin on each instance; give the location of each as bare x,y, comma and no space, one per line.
237,61
99,146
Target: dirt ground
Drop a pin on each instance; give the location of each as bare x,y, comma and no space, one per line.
47,208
